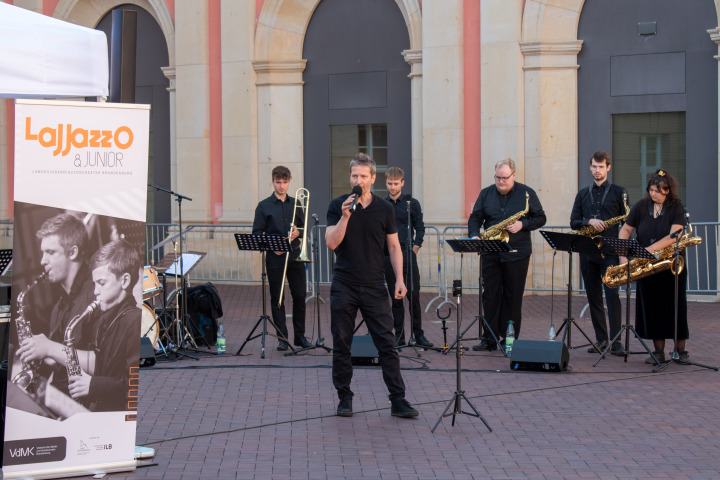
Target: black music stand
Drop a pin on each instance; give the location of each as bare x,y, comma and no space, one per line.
320,342
264,244
571,243
5,262
459,392
630,249
478,246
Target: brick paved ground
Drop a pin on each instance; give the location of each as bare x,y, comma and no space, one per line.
248,417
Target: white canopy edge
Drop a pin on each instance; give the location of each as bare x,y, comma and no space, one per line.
43,57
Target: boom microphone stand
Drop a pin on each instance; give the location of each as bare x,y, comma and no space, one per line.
320,342
459,392
674,357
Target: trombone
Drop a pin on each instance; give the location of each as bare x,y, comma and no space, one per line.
300,195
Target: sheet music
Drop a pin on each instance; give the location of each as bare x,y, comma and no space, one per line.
188,262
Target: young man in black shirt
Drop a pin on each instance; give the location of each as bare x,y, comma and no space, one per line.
504,273
359,226
593,205
273,216
394,181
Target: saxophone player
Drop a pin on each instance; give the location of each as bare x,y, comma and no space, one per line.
594,205
503,274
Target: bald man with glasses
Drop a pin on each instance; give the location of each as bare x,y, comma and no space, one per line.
504,273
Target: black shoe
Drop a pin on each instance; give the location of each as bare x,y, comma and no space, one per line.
600,346
617,349
345,407
283,345
684,355
402,408
302,342
485,345
421,341
399,342
659,355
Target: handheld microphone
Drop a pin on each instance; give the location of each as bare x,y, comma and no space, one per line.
677,232
315,216
357,191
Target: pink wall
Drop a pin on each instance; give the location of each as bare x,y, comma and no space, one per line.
215,92
472,113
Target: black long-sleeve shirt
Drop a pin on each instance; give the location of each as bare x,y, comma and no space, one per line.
604,201
492,208
273,217
417,226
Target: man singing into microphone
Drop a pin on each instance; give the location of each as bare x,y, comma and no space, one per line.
359,225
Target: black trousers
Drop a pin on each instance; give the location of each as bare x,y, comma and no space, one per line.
398,307
372,301
592,270
296,281
503,290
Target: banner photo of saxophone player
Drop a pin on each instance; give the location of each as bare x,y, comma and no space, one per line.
78,250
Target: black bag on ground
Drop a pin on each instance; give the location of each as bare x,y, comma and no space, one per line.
204,308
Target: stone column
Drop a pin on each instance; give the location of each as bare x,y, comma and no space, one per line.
443,183
551,130
414,59
170,74
191,177
239,112
715,37
279,121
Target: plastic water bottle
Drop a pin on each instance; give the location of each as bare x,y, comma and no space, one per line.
221,340
509,337
551,335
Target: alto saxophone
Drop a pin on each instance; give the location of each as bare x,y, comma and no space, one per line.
72,362
498,232
643,267
27,378
592,232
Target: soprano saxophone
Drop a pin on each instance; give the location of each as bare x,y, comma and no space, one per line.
27,378
72,361
498,232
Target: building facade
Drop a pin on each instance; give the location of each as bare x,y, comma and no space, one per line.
442,88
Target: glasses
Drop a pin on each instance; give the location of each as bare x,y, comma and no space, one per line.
653,190
504,179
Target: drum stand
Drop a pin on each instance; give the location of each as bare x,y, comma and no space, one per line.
459,394
320,342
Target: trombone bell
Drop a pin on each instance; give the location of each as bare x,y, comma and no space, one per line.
300,195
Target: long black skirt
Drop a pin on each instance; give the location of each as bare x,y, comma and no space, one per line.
655,306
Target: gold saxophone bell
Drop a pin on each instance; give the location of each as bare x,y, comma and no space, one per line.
302,194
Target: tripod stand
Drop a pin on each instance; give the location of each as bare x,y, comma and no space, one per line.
674,356
571,243
263,243
320,342
459,392
630,249
478,245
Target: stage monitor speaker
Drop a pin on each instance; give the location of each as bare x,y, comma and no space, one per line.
363,351
539,355
147,353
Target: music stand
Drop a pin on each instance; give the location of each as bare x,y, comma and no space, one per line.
478,246
630,249
571,243
5,260
180,266
263,243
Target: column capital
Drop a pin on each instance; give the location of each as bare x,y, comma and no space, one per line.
414,59
548,55
285,72
169,73
715,37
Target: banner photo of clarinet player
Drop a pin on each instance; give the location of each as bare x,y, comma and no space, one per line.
78,250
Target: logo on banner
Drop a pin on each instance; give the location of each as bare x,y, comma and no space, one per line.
36,450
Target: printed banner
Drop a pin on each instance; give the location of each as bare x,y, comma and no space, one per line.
78,249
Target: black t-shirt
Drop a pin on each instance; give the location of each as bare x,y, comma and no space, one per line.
359,259
648,229
273,217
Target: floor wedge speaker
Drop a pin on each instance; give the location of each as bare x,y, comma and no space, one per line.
147,353
363,351
539,355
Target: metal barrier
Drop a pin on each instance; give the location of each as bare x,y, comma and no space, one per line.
439,266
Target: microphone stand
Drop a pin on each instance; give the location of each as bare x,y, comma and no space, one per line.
411,285
183,285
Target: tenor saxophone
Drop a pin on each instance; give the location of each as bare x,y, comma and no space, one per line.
498,232
72,361
26,379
